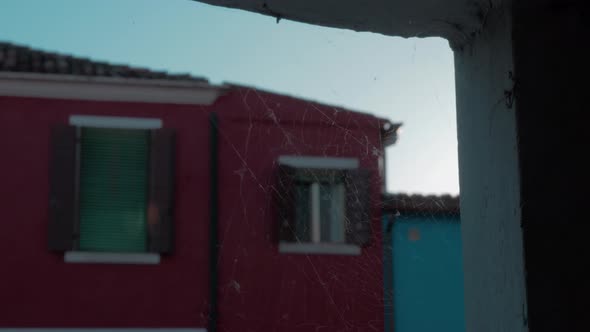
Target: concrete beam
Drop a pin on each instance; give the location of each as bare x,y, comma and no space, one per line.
456,20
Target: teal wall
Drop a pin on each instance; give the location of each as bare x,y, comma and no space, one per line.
426,282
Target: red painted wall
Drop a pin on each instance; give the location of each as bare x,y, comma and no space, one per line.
259,289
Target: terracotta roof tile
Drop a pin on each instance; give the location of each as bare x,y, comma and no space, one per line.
16,58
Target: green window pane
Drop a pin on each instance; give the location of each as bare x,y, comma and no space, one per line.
113,189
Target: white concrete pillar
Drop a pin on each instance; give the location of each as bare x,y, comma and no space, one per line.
495,297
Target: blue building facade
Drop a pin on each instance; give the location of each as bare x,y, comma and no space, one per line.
423,263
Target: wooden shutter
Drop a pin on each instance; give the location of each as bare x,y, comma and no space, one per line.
161,190
286,203
358,218
62,188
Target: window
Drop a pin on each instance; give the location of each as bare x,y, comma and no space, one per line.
323,205
111,188
319,214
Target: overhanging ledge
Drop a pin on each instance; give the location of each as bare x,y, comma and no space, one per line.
456,20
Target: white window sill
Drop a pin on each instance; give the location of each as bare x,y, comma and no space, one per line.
319,248
111,257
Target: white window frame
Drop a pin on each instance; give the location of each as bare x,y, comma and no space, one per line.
112,122
115,122
316,246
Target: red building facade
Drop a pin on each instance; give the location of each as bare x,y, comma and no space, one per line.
260,282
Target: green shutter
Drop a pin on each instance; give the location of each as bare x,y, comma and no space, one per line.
113,189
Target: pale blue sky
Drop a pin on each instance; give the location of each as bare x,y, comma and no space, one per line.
406,80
